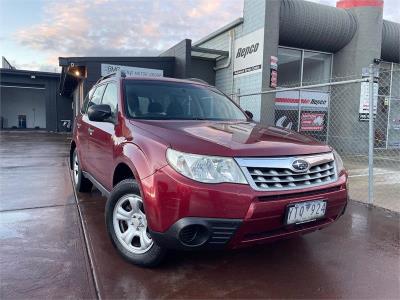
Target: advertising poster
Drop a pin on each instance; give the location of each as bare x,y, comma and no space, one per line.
312,121
288,119
248,53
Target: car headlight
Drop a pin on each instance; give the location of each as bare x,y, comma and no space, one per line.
338,161
207,169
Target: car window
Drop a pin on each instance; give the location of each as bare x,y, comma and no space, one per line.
110,97
178,101
85,102
97,95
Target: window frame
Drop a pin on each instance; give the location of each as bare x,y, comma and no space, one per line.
302,63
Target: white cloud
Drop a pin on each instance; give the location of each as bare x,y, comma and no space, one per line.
132,28
111,27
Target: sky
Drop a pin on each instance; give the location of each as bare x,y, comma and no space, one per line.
34,33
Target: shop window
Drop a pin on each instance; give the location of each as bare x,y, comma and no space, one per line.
316,68
289,67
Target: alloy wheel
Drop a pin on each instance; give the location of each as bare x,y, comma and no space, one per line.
76,169
130,224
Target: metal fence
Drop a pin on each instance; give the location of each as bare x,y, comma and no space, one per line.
338,113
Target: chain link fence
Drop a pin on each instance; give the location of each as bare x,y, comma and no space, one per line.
337,113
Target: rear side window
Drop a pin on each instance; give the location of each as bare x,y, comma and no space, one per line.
110,97
97,95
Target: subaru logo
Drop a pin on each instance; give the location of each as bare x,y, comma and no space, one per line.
300,165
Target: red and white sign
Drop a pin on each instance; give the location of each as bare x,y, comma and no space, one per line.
312,121
306,99
273,79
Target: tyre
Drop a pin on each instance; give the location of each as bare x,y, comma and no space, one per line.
127,226
82,184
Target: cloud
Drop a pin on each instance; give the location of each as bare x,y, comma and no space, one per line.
132,28
129,28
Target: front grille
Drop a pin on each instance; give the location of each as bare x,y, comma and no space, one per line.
277,174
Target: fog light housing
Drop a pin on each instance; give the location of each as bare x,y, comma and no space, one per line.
194,235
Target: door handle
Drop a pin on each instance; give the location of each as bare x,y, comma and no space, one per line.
90,130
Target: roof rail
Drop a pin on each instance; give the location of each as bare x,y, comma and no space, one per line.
118,74
198,80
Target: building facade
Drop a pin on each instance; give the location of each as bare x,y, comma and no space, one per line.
276,44
30,100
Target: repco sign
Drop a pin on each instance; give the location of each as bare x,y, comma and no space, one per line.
242,52
248,53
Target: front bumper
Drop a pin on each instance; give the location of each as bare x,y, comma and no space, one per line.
184,214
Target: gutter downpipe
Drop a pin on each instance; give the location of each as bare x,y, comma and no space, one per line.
228,63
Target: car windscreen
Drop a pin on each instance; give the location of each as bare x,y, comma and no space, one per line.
178,101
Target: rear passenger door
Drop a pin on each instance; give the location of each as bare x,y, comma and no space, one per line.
101,142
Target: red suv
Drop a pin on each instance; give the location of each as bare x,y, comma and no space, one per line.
184,167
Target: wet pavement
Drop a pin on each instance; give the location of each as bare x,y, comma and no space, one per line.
42,251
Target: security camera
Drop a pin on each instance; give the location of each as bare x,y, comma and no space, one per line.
377,61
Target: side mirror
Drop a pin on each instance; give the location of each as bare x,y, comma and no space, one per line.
99,113
249,114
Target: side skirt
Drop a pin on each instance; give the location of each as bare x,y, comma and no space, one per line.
97,184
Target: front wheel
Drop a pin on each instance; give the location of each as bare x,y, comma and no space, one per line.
127,226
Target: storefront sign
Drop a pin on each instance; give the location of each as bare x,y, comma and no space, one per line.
306,99
311,121
363,113
248,53
131,71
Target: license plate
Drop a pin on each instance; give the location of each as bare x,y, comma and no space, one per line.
305,212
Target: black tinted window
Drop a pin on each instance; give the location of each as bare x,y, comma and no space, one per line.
178,101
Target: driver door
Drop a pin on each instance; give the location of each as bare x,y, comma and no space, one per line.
101,141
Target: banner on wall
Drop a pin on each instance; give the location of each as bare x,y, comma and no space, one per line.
306,99
131,71
248,54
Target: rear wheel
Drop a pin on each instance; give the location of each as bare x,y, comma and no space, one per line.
82,184
127,226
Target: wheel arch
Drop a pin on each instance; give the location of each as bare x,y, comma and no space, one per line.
123,171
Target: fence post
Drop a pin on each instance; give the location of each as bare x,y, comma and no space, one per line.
371,137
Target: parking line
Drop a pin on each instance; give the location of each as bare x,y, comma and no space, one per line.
91,261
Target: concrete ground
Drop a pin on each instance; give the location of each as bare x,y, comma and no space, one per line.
386,179
43,252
